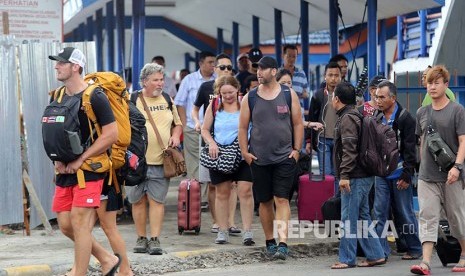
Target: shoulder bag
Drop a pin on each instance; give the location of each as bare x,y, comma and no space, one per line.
173,159
442,153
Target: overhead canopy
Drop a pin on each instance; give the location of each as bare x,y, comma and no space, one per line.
208,15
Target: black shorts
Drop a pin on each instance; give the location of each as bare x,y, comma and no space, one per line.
273,180
242,174
114,200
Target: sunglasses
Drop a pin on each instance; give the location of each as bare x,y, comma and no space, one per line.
224,67
255,65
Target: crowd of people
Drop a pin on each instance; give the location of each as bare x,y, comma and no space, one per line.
213,107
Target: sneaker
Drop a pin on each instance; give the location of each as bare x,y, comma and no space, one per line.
222,237
271,249
141,245
154,247
247,238
281,253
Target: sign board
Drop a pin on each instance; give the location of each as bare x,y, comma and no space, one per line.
34,20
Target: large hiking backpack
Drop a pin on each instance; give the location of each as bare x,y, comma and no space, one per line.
114,88
378,147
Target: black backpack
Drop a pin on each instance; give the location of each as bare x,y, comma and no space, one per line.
134,170
378,146
61,132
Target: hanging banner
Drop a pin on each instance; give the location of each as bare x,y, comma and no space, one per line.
34,20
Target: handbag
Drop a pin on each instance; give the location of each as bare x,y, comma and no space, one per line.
442,153
228,160
173,159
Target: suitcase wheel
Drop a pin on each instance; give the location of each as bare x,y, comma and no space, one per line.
180,230
197,230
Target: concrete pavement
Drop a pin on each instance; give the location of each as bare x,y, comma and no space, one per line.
42,254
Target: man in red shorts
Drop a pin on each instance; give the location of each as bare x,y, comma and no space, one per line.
76,205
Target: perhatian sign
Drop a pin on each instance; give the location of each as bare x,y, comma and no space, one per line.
34,20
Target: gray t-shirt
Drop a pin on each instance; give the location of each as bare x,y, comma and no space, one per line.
450,124
271,136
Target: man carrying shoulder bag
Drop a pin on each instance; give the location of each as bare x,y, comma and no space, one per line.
440,183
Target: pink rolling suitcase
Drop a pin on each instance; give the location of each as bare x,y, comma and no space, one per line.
189,206
314,190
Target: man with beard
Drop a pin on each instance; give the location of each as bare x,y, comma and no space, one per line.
154,189
75,206
272,161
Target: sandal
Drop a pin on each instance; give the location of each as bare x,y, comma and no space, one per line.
234,230
459,267
341,266
367,263
420,270
409,257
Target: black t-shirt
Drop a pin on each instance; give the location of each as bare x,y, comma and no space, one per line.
104,115
205,95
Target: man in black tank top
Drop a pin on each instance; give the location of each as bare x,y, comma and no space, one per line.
272,161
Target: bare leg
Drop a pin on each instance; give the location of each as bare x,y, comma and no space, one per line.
266,218
156,216
106,259
139,215
108,224
283,214
244,190
211,202
223,191
232,204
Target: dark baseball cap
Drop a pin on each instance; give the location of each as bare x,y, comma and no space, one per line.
377,80
71,55
267,62
255,55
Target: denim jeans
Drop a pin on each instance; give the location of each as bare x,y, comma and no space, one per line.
387,196
326,150
355,207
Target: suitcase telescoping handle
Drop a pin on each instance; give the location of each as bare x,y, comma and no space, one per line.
311,153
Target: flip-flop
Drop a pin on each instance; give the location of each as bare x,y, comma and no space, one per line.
342,266
115,267
409,257
419,270
371,264
459,267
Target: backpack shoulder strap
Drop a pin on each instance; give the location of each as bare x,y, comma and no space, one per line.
168,100
57,94
133,97
87,106
215,105
287,95
252,97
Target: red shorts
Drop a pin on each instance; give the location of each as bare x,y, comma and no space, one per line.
67,197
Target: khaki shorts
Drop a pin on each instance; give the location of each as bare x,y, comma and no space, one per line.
155,186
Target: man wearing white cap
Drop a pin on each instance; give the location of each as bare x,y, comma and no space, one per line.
76,206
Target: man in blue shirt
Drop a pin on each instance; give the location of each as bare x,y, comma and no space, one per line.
395,190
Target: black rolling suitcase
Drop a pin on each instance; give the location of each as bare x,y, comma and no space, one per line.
447,247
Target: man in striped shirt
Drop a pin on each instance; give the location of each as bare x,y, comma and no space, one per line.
299,79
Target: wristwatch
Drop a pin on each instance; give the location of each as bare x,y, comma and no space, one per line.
458,166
